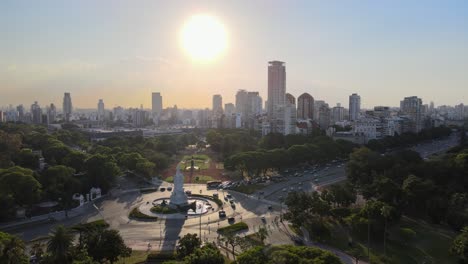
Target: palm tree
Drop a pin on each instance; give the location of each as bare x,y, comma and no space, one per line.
385,211
13,251
60,244
262,233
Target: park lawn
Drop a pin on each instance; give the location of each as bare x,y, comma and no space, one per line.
138,256
201,179
430,244
200,160
248,188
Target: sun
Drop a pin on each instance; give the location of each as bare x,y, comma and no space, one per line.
204,38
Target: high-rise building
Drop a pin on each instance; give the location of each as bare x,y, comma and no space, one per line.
67,107
100,108
412,107
317,105
324,116
51,113
290,115
156,104
354,106
276,88
36,113
20,109
217,105
337,113
305,106
229,109
138,117
459,112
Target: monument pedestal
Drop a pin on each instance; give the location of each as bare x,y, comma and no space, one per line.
178,197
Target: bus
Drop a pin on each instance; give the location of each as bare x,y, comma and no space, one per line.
213,184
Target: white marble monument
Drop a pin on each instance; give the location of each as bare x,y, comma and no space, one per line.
178,196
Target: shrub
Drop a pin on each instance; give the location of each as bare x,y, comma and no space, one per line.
233,228
136,214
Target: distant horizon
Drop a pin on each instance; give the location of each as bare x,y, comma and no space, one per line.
121,51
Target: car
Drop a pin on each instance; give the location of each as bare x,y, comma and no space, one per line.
233,205
226,199
261,192
222,214
188,192
231,219
270,207
162,189
215,195
300,183
263,219
228,196
169,189
298,241
284,189
316,180
291,189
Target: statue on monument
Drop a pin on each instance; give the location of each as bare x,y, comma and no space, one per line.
178,196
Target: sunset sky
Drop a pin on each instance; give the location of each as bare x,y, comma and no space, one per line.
121,51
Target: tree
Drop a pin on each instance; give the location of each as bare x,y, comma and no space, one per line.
262,233
75,160
101,171
60,244
12,250
208,254
27,159
460,245
234,241
107,245
20,184
187,245
386,212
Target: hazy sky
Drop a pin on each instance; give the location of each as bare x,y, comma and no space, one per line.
122,51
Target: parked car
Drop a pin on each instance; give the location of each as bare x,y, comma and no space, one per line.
188,192
231,219
169,189
222,214
162,189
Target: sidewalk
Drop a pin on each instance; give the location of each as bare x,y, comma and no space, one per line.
49,218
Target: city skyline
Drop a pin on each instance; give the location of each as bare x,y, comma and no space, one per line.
358,47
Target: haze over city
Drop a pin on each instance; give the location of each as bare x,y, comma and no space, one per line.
122,51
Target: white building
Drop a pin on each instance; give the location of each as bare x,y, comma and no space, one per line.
412,107
276,88
367,127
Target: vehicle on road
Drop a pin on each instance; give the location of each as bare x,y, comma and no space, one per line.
231,219
215,195
169,189
222,214
162,189
229,196
213,184
284,189
188,192
263,219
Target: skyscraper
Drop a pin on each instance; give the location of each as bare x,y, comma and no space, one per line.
156,104
290,114
337,113
67,106
100,107
217,105
354,107
36,113
276,88
412,108
305,106
51,113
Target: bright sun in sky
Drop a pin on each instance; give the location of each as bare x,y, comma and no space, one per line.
204,38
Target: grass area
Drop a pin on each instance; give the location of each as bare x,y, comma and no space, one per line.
159,209
138,256
233,228
199,160
249,188
91,225
430,244
136,214
202,179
